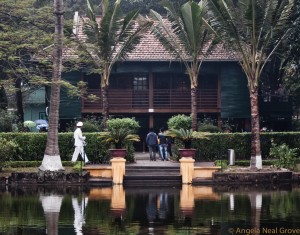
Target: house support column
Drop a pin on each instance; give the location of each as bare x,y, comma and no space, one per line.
118,170
187,169
151,109
151,120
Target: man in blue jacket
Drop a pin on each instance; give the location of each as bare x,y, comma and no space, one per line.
151,142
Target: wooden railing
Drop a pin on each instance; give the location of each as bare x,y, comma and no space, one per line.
162,99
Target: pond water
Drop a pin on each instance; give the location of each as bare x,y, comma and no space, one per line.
118,210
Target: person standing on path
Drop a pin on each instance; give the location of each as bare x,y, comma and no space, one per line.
163,145
79,144
151,142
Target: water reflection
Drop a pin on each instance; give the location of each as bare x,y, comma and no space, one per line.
79,213
51,204
119,210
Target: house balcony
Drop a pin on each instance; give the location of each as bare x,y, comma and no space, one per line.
158,100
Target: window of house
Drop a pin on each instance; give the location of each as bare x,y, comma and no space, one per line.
140,83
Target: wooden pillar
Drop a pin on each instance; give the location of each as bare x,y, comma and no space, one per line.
151,106
219,121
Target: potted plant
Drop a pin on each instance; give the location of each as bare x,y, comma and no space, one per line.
120,132
186,136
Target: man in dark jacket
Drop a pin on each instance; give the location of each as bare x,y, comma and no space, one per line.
151,142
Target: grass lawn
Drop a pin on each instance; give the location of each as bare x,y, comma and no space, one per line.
33,168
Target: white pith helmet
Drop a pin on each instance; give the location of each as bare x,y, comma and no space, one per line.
79,124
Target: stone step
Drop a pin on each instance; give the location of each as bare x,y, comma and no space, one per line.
153,171
100,181
152,180
151,183
202,181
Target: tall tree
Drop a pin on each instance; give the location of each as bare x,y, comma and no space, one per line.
109,40
254,29
52,160
291,63
187,36
25,29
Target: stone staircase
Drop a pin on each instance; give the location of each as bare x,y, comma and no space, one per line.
152,176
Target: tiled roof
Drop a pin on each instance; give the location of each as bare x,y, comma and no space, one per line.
150,49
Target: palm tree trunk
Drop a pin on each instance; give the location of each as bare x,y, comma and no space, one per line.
194,93
256,161
105,112
51,205
19,100
51,160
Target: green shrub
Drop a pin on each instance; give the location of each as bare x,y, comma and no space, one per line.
32,146
8,150
285,156
180,121
6,121
221,163
128,123
208,125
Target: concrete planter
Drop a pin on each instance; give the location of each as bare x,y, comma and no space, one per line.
117,153
187,153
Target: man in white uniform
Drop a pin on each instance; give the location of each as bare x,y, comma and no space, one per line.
79,144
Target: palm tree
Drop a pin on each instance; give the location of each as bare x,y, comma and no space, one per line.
110,40
187,36
254,29
52,160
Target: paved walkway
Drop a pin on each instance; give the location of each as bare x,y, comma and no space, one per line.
143,159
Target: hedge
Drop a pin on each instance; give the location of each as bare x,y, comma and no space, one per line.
32,146
217,146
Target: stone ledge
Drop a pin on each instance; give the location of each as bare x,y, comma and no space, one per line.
252,177
48,177
205,172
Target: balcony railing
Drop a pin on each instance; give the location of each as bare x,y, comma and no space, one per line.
162,99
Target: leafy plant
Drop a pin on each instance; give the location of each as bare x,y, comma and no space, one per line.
180,121
118,137
6,121
186,135
120,131
285,156
8,149
208,125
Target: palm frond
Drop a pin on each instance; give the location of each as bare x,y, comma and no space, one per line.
253,28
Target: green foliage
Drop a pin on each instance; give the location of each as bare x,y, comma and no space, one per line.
180,121
118,137
8,150
186,135
285,155
120,131
221,163
32,146
127,123
120,134
208,125
6,121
